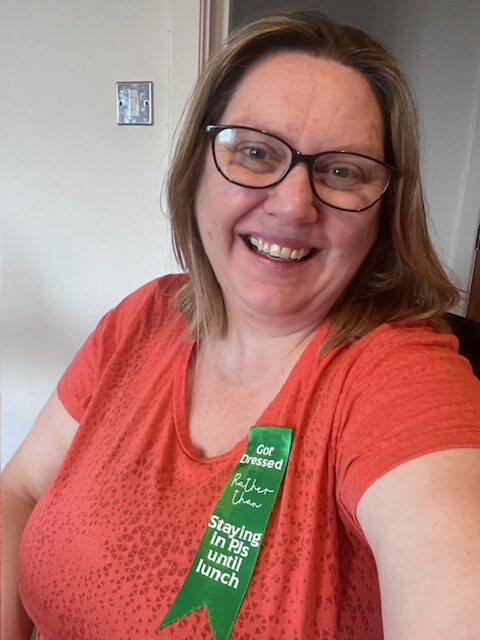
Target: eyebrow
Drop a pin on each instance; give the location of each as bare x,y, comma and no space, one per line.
365,149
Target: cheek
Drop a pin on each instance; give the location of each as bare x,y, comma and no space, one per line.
205,204
353,236
221,207
367,235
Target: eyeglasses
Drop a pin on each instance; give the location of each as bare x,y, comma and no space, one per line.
343,180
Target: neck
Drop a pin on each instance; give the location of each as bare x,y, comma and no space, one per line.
248,353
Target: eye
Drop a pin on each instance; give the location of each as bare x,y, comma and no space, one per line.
257,151
254,153
340,172
347,172
258,157
242,152
343,172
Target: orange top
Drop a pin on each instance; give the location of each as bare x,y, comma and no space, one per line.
108,546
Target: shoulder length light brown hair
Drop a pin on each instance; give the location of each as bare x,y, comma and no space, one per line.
401,277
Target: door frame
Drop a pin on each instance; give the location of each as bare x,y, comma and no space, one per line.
196,29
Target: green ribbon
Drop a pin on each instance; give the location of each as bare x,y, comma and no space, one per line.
223,565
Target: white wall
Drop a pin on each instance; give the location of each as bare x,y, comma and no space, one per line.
438,44
82,224
80,194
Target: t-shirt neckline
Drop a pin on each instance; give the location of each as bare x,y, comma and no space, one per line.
187,353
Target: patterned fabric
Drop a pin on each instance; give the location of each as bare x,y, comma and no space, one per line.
109,544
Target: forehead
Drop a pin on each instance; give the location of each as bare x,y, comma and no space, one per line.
313,103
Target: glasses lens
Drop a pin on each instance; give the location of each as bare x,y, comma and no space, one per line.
250,158
345,181
349,181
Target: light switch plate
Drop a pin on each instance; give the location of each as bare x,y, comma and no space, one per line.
134,102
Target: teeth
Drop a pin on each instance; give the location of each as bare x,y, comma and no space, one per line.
276,251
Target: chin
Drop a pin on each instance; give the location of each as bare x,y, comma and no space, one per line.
279,306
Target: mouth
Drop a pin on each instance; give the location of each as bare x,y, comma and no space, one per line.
276,251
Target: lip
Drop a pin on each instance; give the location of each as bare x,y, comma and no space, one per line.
289,243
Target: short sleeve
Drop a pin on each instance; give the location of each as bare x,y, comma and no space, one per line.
408,393
76,386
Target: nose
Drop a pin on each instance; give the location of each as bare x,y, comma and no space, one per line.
293,198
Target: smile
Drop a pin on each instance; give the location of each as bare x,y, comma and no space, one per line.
273,250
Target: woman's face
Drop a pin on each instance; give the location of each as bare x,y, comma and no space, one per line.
315,105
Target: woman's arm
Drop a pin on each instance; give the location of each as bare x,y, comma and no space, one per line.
24,480
422,521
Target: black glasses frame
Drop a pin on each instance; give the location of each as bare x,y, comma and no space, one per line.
212,130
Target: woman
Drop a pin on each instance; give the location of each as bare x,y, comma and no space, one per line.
313,302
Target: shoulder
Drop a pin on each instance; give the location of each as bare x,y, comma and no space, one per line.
155,300
405,392
415,336
148,312
404,368
160,291
407,350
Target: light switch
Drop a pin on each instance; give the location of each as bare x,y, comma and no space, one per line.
133,106
134,103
